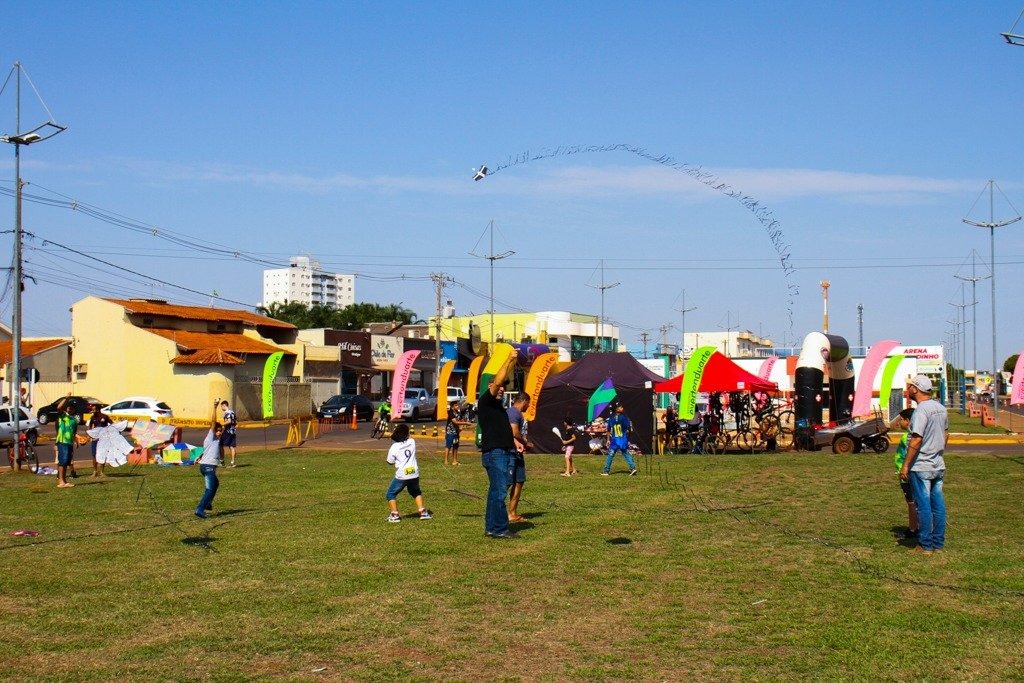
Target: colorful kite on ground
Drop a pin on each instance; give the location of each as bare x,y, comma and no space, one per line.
600,399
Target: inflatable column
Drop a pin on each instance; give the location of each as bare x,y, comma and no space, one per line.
817,350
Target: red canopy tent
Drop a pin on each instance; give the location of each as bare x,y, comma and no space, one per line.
720,374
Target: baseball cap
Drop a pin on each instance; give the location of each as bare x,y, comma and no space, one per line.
922,382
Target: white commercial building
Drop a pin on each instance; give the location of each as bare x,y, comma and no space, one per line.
304,281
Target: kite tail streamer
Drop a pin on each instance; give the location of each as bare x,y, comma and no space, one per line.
761,212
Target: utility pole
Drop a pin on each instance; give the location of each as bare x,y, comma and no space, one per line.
683,310
973,279
825,284
644,338
439,280
728,329
959,343
860,326
992,224
600,320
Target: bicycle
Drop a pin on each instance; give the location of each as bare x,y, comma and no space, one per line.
26,455
381,428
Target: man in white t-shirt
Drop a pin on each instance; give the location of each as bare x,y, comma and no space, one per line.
924,466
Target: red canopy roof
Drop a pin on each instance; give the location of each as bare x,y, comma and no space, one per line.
720,374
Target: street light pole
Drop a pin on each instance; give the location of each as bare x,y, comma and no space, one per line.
492,257
992,224
42,132
974,315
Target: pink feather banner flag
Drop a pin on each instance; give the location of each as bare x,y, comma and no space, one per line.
766,367
866,381
1017,383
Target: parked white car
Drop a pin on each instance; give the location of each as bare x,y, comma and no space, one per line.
135,407
29,425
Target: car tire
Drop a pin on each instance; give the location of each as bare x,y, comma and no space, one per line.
43,418
415,415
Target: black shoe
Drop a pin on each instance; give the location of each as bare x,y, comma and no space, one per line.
507,535
200,514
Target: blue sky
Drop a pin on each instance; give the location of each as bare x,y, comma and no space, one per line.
349,131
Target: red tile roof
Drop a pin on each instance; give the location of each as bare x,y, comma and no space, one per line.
29,347
215,341
150,307
207,357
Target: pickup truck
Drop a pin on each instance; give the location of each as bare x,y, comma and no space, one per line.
418,404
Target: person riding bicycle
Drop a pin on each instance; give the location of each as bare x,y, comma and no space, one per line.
384,412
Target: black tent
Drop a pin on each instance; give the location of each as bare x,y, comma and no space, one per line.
567,394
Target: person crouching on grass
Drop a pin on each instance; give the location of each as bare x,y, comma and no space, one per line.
208,464
402,455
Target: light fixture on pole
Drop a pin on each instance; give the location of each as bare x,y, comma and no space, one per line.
992,224
1011,37
20,139
492,257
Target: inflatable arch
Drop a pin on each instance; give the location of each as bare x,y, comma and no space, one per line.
817,351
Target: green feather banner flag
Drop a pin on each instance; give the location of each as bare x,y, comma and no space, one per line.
269,373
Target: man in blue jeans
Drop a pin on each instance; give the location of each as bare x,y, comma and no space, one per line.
497,449
925,467
208,465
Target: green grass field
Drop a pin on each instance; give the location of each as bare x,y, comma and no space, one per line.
738,567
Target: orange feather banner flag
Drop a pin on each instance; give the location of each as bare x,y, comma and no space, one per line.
542,365
442,390
474,379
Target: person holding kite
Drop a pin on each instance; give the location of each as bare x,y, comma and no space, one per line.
208,463
618,440
497,451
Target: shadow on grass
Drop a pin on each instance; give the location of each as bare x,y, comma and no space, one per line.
903,537
619,540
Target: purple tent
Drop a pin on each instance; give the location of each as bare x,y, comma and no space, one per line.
567,394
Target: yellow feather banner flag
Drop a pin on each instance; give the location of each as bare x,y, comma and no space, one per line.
542,365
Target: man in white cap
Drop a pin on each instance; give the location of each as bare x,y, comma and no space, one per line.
924,466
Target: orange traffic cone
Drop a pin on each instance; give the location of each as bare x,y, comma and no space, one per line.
355,417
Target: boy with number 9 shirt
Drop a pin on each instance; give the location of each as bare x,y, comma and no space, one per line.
402,455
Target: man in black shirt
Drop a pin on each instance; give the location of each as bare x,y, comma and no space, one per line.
497,448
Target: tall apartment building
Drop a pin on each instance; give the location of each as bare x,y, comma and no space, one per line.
305,281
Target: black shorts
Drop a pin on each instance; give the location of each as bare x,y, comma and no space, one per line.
908,493
228,440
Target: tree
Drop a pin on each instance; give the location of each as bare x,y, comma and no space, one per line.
354,317
1010,363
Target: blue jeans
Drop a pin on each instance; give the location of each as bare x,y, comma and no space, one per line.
209,473
498,463
611,454
931,508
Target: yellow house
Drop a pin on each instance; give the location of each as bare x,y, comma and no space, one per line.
185,356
